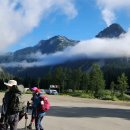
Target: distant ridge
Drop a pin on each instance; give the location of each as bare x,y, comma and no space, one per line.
59,43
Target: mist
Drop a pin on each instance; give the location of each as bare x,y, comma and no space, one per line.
95,48
27,15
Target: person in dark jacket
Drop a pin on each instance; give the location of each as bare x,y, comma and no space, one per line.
8,115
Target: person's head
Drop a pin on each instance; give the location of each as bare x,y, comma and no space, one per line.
11,83
36,90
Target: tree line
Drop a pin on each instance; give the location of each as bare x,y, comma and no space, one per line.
93,81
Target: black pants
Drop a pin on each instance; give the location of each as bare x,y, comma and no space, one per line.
12,121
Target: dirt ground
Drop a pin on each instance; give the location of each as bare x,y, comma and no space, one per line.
71,113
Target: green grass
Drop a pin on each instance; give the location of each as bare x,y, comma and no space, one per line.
105,96
79,94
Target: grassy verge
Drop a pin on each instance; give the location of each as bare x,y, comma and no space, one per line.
105,96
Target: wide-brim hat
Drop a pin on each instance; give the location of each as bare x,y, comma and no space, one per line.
11,83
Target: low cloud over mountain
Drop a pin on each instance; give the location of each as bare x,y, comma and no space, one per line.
112,42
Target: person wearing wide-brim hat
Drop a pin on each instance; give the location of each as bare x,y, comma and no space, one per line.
10,119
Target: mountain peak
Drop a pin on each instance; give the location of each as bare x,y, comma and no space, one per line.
51,40
54,44
114,30
60,38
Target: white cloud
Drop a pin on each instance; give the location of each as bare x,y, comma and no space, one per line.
109,8
19,17
103,48
108,16
93,48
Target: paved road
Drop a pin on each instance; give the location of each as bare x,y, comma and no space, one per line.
69,113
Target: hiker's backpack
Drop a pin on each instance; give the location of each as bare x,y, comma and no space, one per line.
17,103
44,104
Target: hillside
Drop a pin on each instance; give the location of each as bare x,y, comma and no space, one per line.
59,43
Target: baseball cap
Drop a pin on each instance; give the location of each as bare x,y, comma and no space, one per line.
35,89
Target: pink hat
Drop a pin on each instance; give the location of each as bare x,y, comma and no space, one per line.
35,89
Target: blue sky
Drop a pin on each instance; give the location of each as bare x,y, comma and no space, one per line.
75,19
24,23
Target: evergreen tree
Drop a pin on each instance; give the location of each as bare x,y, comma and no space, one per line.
97,82
60,77
4,76
38,82
76,78
112,87
69,82
85,82
122,84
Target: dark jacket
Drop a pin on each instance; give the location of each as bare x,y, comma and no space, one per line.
6,102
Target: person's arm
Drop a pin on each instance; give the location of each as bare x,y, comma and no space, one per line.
4,106
5,103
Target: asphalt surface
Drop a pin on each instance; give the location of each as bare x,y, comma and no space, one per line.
70,113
